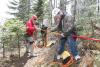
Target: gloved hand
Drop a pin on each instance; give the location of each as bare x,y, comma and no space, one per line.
62,34
39,29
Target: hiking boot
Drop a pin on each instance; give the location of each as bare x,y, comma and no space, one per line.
77,57
57,58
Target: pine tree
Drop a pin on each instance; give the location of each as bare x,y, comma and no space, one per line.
38,9
13,5
22,7
24,10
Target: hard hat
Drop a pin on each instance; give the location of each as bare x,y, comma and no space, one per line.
55,11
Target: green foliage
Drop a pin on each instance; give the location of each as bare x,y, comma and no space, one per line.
85,13
47,9
24,10
12,32
38,8
15,25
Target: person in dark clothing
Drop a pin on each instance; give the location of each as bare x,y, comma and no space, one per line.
65,25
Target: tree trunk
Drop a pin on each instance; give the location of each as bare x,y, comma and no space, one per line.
62,5
3,50
28,4
44,56
98,6
18,45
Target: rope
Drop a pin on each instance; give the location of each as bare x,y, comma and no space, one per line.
81,37
87,38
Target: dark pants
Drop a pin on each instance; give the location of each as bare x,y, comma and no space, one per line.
71,45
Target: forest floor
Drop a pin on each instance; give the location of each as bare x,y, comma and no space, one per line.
42,58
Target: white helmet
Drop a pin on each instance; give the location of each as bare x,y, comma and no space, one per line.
55,11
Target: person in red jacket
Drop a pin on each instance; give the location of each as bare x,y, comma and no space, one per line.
31,29
30,26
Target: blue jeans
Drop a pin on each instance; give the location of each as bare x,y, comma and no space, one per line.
71,45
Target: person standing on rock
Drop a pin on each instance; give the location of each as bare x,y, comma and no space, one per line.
31,30
65,26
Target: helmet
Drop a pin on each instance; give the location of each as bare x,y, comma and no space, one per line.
55,11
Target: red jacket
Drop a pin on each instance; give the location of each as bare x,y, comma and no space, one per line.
30,27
